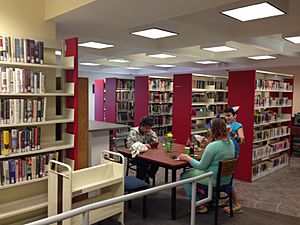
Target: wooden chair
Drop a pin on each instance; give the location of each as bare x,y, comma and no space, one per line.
226,169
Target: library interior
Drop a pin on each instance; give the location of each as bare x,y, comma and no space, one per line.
150,112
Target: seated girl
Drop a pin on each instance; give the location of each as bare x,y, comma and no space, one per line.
220,148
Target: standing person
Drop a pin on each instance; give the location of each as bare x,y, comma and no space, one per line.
144,134
220,148
236,132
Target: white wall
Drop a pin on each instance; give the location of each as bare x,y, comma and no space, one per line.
92,77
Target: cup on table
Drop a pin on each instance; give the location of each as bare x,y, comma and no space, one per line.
154,144
187,150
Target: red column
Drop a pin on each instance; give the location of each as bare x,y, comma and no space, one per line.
141,99
99,100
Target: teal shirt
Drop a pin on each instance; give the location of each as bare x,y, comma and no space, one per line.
214,153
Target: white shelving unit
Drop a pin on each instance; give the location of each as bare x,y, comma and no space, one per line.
110,175
26,200
209,97
271,88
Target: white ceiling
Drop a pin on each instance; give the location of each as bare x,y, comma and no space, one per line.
198,23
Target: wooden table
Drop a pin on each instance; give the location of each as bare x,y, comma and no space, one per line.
163,159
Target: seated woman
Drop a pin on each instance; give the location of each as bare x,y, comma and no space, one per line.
220,148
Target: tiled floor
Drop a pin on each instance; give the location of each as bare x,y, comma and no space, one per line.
278,192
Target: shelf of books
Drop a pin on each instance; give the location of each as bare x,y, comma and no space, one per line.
154,98
119,105
38,120
197,99
267,145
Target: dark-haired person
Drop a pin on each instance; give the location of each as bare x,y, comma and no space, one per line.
144,134
220,148
236,132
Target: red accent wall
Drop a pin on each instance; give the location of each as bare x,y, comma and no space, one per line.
141,98
72,101
182,107
241,91
99,100
111,98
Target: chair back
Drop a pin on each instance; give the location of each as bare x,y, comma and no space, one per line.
226,168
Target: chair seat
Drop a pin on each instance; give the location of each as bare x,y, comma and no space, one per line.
134,184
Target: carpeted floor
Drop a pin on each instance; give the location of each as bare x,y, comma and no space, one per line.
159,214
273,200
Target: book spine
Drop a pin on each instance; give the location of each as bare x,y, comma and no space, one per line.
12,171
6,150
41,52
14,140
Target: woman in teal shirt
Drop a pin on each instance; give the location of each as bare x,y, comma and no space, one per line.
220,148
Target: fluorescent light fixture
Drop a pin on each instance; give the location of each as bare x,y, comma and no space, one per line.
261,57
165,65
154,33
162,56
119,60
89,64
253,12
206,62
96,45
222,48
295,39
57,52
132,68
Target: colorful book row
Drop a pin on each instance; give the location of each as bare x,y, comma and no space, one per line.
272,85
21,50
15,111
25,169
16,80
20,140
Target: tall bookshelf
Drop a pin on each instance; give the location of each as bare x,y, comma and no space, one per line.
267,99
47,128
197,99
154,98
119,105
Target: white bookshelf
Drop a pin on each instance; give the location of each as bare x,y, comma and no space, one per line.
270,89
264,158
26,200
68,65
209,97
269,171
275,137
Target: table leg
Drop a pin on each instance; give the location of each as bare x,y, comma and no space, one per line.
166,175
173,197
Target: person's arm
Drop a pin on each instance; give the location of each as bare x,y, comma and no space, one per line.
205,161
131,139
238,136
153,137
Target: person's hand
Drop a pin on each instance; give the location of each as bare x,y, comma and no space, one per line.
148,146
184,157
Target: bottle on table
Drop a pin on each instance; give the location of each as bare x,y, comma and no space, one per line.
192,148
187,147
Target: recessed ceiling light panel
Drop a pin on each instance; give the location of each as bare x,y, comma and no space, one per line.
119,60
96,45
162,56
294,39
89,64
132,68
261,57
222,48
206,62
154,33
165,65
253,12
